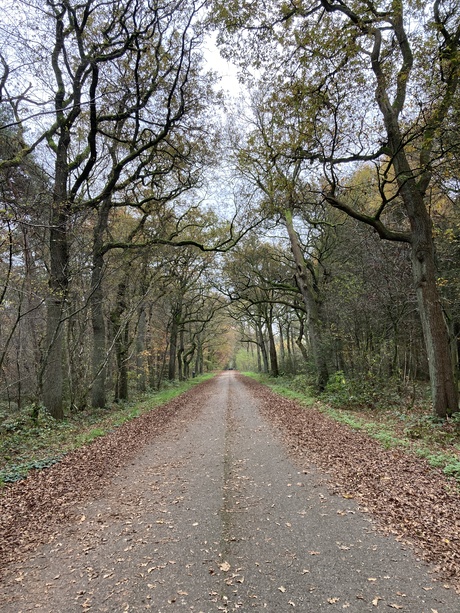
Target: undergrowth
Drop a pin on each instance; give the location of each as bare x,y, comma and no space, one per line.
394,416
34,440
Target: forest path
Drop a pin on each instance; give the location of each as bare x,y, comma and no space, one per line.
213,515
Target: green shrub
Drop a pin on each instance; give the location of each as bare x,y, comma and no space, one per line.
16,472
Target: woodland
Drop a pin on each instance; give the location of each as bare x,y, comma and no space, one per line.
154,228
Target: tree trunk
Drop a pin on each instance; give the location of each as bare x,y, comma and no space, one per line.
141,362
123,390
259,359
274,370
199,356
263,348
282,348
188,358
443,385
288,348
311,305
99,357
180,354
162,367
174,340
173,344
53,373
121,338
293,355
300,345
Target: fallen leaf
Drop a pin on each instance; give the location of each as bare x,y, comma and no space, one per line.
375,602
282,589
225,567
333,600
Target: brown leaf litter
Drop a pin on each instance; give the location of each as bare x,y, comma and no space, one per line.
31,509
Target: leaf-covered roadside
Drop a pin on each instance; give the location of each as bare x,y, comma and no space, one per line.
28,443
417,503
31,508
386,414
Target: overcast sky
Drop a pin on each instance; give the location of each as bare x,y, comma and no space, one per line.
227,70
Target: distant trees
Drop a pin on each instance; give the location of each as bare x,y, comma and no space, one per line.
256,284
24,200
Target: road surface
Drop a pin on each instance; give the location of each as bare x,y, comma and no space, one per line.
213,515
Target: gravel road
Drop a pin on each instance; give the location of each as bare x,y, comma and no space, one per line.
213,515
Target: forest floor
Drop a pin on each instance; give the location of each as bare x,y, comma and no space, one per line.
229,498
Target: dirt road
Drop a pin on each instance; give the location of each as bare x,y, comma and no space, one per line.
212,515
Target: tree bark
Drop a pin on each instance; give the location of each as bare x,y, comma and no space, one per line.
121,341
282,348
259,358
311,305
299,343
99,357
53,374
180,354
443,384
173,338
274,370
263,349
141,361
199,356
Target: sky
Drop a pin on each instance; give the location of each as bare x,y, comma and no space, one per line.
227,71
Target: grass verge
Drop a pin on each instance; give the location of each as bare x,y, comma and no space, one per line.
411,428
27,443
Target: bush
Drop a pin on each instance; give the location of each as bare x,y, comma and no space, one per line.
369,391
